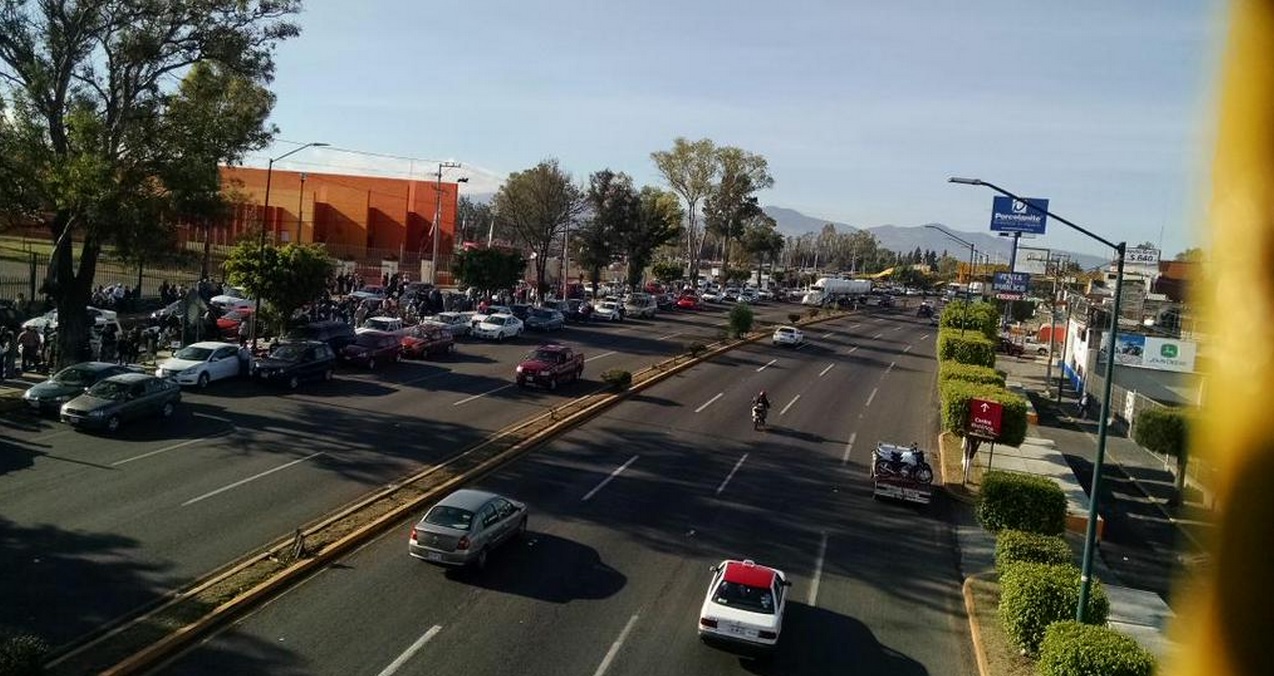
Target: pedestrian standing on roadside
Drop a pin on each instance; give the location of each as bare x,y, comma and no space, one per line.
8,349
1083,406
29,341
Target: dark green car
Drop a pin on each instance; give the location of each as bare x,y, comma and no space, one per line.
123,398
68,384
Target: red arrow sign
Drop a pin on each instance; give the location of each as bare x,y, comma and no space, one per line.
984,418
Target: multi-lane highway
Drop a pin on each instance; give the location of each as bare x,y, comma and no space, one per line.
628,512
95,526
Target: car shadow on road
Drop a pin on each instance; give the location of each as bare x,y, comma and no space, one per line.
818,641
546,567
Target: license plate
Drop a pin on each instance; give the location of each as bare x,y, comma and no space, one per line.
433,556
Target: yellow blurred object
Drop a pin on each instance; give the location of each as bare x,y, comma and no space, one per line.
1227,625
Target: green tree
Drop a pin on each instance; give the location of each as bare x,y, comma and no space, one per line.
657,223
761,240
287,277
689,169
476,219
91,114
537,205
1165,431
666,271
1193,255
489,269
612,204
732,201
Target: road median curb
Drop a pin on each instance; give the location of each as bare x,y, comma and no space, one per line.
975,625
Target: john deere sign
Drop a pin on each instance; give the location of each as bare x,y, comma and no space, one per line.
1161,354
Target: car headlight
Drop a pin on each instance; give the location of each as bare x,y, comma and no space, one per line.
519,369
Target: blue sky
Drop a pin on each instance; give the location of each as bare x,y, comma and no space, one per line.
863,109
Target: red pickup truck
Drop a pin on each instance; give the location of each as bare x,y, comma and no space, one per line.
549,365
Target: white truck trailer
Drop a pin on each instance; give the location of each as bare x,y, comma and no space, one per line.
829,290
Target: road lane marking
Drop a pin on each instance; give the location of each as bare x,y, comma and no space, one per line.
824,371
52,435
709,402
614,647
789,405
871,397
411,650
254,477
671,335
849,446
829,334
731,474
878,335
589,495
599,356
165,449
766,365
479,396
818,571
925,336
892,364
852,350
897,328
906,349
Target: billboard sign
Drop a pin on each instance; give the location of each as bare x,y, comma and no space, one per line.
1142,257
1011,282
1025,216
1149,352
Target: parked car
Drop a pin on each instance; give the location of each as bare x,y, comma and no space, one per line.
689,302
387,324
201,363
1009,347
69,383
498,327
369,292
788,335
228,324
578,310
459,323
464,527
479,317
335,333
292,362
544,319
234,298
666,301
640,305
122,398
521,310
371,348
744,605
49,320
163,313
423,340
609,310
548,365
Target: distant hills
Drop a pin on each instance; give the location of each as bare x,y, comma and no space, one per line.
898,238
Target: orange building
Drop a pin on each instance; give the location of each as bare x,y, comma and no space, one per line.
357,217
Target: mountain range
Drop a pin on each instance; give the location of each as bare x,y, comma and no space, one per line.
899,238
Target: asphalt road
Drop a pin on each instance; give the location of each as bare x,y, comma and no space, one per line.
628,512
96,526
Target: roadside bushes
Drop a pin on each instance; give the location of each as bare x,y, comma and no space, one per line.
982,318
21,654
1024,502
954,396
954,370
1070,648
741,319
1035,595
971,348
618,378
793,317
695,349
1013,546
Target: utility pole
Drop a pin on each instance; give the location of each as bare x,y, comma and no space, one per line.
300,208
437,229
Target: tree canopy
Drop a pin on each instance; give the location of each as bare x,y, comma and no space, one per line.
489,269
537,205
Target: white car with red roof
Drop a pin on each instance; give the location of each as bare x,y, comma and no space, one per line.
744,604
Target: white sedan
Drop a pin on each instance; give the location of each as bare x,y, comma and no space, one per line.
609,310
744,604
788,335
201,363
498,327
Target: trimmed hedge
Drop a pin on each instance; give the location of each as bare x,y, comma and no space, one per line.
1014,546
954,370
1073,649
971,348
1162,430
618,378
1024,502
1035,595
981,317
954,396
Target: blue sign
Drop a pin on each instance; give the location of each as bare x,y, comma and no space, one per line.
1010,215
1011,282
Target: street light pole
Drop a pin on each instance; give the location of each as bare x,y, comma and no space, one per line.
433,266
265,213
968,286
300,209
1090,533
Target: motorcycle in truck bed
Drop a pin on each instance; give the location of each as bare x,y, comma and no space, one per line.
901,473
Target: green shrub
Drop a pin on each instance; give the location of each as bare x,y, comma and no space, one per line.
1162,430
741,318
1025,502
793,317
1013,546
1073,649
954,396
971,348
21,654
618,378
954,370
1035,595
696,349
813,312
983,318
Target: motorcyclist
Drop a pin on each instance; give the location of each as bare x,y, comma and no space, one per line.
761,400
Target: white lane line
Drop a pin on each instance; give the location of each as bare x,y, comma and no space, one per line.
708,403
818,571
925,336
849,446
55,434
411,650
892,364
897,328
731,474
789,405
878,335
829,334
824,371
614,647
589,495
165,449
871,397
254,477
766,365
479,396
852,350
599,356
906,349
671,335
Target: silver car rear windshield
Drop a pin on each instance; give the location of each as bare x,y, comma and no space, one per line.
450,517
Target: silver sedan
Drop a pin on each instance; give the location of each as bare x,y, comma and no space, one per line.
465,526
